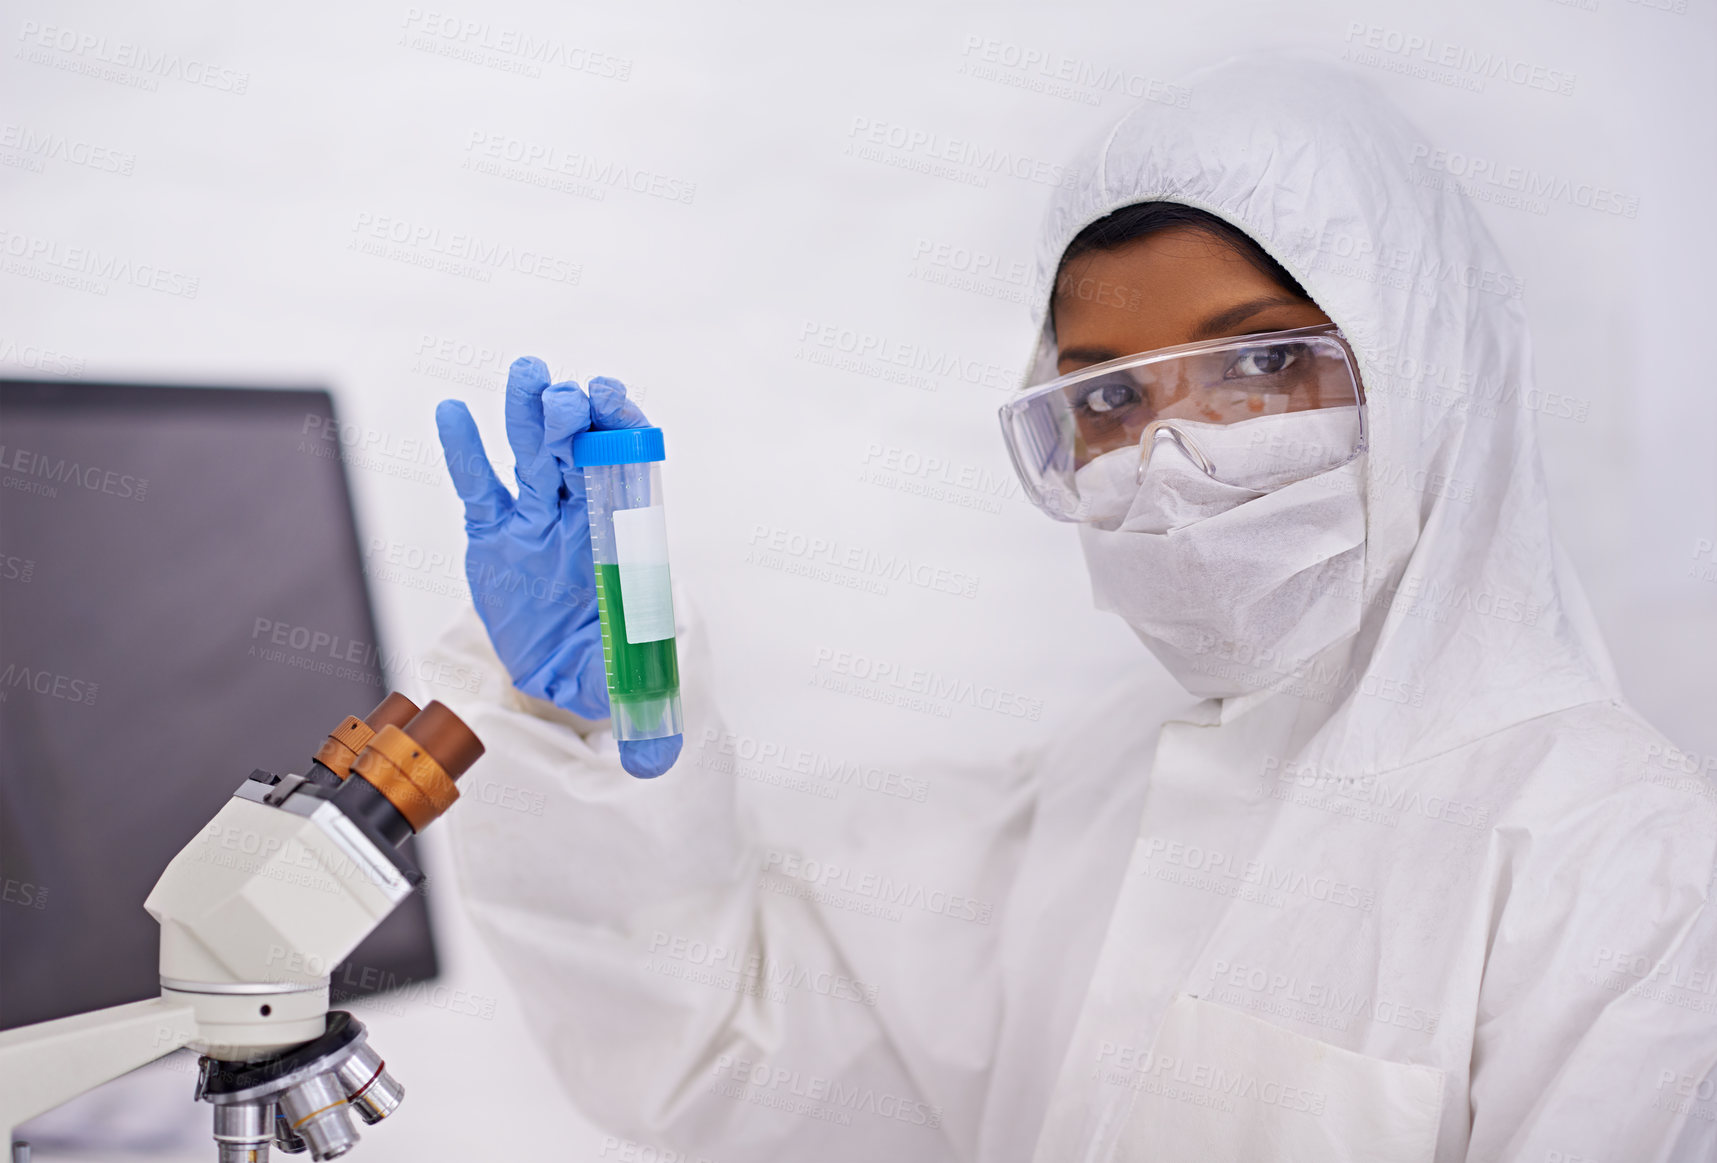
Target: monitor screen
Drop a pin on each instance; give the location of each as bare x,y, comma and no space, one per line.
182,601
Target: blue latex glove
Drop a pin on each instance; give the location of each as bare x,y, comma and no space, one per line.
528,560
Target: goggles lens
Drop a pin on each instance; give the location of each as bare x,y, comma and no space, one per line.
1211,399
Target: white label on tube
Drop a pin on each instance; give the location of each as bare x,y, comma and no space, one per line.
641,549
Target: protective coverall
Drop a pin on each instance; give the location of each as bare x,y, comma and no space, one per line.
1437,894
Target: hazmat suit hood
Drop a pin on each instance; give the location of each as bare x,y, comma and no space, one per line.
1470,618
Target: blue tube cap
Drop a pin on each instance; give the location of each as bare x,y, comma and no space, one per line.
616,446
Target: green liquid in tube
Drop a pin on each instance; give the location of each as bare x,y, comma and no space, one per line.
636,670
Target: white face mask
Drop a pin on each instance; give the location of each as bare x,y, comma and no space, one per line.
1232,588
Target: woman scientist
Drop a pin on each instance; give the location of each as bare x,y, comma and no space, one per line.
1399,889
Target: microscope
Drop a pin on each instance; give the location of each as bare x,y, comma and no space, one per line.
255,913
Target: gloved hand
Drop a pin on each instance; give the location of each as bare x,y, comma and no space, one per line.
528,561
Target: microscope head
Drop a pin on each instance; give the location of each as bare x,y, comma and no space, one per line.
277,890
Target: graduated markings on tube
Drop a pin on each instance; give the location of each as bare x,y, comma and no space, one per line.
607,646
641,551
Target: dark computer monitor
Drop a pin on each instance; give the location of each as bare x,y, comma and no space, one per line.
153,542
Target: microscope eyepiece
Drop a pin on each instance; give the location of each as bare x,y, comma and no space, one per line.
346,741
414,767
445,736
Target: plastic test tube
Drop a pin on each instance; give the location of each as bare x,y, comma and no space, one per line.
629,544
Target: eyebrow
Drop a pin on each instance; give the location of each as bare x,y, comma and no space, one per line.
1224,322
1221,324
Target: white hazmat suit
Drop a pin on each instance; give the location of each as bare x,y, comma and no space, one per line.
1432,895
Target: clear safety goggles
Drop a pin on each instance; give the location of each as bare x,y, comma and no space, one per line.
1214,400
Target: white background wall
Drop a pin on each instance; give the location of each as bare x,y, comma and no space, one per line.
354,116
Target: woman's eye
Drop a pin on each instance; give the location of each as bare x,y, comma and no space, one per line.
1108,395
1262,361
